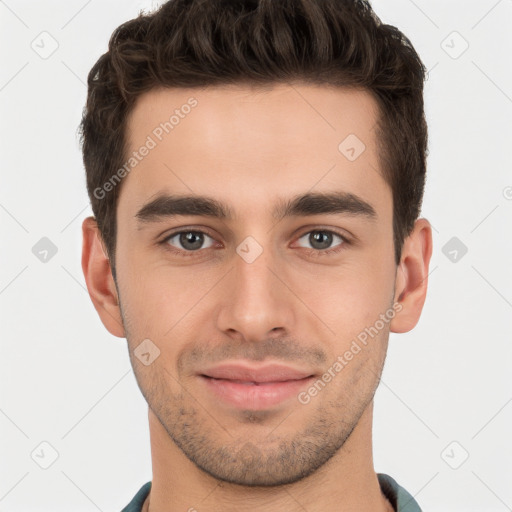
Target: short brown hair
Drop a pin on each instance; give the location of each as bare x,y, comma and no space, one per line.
196,43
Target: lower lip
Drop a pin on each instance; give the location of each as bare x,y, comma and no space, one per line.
255,396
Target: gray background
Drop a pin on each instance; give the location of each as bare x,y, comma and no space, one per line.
446,392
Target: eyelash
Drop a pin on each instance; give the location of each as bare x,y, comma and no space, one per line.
309,252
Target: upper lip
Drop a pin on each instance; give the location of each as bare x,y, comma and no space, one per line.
270,372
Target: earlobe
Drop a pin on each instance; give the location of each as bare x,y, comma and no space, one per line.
412,277
98,276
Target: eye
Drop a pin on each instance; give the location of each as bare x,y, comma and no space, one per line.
321,240
188,241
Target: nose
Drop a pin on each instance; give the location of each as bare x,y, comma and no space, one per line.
255,301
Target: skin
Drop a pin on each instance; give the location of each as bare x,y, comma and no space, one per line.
250,148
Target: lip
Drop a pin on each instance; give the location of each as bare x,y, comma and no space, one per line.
270,372
254,387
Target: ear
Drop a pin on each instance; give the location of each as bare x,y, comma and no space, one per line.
98,276
412,277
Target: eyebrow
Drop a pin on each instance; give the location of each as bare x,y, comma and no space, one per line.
314,203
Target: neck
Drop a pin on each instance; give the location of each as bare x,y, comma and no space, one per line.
346,482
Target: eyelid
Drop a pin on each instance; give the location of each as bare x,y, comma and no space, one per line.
344,239
342,233
187,229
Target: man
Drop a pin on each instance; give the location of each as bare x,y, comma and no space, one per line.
256,171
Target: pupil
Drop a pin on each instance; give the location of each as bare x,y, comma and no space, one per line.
317,238
194,240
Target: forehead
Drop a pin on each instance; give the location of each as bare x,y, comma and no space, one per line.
245,144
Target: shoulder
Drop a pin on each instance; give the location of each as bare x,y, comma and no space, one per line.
138,500
401,500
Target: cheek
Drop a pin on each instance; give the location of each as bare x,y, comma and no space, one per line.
347,298
159,300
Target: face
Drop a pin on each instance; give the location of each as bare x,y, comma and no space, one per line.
265,305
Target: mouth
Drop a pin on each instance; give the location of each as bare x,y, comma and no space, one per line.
255,388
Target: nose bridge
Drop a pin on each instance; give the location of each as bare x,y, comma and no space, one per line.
255,301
